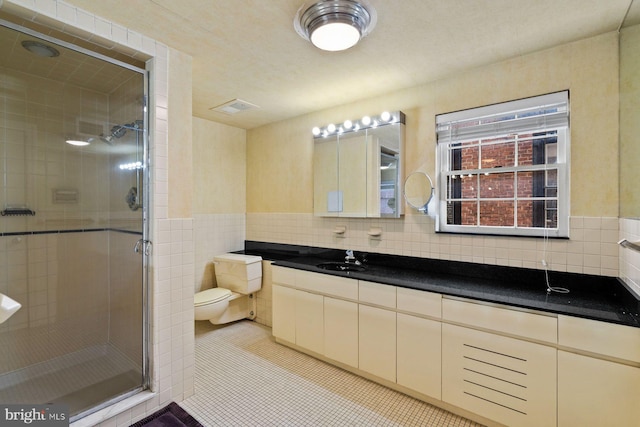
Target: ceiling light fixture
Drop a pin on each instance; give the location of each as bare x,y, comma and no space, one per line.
367,122
78,142
335,25
40,49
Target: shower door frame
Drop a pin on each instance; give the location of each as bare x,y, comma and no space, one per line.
146,217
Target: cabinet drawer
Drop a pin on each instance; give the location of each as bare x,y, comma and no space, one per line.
283,275
600,337
378,294
529,325
327,284
419,302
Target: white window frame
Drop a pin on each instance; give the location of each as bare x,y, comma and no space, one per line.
541,113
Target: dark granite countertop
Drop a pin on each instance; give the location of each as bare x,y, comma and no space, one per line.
592,297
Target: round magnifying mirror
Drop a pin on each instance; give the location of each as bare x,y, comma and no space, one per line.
418,190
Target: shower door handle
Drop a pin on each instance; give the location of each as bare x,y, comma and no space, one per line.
143,246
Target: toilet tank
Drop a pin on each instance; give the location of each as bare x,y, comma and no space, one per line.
239,273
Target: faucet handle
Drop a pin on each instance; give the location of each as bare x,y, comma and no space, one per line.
349,256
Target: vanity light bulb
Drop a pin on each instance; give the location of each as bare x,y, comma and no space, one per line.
385,116
348,124
366,120
315,131
331,128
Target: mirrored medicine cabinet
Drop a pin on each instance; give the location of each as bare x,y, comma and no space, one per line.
358,168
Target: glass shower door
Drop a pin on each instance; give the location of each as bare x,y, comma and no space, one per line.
72,162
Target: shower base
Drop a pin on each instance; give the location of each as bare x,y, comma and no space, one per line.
82,379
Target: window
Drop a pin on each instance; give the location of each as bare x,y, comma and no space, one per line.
503,168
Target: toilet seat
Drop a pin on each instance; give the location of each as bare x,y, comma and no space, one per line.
211,296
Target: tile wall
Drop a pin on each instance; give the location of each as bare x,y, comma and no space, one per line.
215,234
592,248
629,258
171,273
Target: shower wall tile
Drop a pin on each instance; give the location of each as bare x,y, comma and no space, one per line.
46,7
172,320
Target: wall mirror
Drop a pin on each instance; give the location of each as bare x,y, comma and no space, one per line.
418,191
629,117
357,167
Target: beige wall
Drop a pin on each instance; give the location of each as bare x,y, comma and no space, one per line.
219,168
279,156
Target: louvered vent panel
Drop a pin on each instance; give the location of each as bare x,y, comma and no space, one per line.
504,379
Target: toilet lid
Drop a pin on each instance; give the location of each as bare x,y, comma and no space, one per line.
210,296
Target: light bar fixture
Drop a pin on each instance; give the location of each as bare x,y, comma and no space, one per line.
335,25
366,122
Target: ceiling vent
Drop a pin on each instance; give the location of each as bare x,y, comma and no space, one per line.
88,127
235,106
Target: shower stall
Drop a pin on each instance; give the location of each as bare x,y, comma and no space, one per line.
73,224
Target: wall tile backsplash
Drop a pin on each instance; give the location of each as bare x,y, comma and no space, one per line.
592,248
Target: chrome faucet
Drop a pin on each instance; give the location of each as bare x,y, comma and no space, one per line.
350,258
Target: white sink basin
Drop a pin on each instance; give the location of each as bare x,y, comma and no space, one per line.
8,306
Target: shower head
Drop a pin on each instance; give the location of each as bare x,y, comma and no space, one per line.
117,132
106,139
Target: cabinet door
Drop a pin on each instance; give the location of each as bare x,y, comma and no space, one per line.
309,321
377,342
341,331
504,379
284,313
593,392
419,354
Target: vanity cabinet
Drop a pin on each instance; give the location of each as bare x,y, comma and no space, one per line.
283,308
341,331
313,312
298,317
419,354
418,341
377,341
377,329
595,392
602,385
309,322
503,378
506,365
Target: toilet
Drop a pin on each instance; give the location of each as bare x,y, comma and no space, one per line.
239,277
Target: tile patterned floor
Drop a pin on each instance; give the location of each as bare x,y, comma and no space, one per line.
81,379
243,378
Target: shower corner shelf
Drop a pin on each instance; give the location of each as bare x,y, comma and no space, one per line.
17,211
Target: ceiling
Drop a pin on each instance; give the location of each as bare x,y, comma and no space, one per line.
248,49
70,67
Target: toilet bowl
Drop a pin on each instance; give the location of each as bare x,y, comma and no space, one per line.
238,277
211,303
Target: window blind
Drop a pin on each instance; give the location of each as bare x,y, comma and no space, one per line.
527,115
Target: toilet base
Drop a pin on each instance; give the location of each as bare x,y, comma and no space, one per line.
240,307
